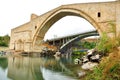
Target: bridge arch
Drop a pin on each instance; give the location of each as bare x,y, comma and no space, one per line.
57,15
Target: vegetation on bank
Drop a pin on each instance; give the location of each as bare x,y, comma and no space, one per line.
108,44
4,41
109,67
85,46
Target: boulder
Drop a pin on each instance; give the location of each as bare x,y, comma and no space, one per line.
57,53
88,65
95,58
77,61
84,59
81,73
90,52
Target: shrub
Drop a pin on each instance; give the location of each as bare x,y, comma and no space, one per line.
106,43
3,44
4,40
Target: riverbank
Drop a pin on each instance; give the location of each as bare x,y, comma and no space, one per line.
5,52
4,48
108,69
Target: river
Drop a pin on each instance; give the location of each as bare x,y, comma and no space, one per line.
38,68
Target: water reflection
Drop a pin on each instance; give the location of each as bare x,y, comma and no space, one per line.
24,68
3,63
3,68
51,75
37,68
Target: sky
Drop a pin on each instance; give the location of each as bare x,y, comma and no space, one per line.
14,13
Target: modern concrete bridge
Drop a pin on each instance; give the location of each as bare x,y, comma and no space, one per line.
78,38
63,42
29,36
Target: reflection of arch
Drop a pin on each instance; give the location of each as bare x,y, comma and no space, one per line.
63,47
58,14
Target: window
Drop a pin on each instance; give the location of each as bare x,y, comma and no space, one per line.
99,15
35,27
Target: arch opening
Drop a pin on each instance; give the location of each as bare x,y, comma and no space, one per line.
53,18
67,26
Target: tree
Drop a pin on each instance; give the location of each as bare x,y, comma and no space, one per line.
4,40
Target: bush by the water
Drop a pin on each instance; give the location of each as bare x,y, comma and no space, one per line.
85,46
4,40
89,45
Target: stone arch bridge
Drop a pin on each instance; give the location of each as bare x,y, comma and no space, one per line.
29,36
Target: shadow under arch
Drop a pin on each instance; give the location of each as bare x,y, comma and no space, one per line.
57,15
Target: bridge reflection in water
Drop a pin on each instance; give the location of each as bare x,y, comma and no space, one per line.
39,68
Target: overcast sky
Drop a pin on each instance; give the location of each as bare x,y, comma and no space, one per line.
17,12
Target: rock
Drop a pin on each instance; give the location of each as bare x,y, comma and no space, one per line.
91,59
118,48
81,73
57,53
77,61
90,51
89,65
47,52
84,59
95,58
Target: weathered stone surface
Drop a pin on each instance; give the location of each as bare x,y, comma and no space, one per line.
84,59
57,53
95,58
81,73
89,65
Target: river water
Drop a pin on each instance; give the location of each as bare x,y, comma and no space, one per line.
38,68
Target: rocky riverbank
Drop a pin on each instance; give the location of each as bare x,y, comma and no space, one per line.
91,59
5,54
88,61
47,52
4,51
